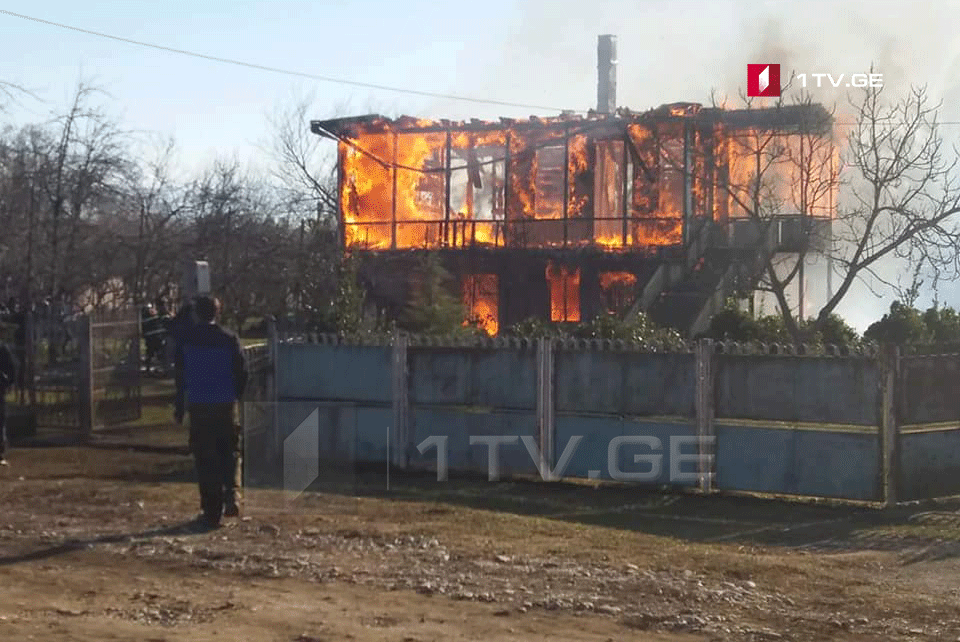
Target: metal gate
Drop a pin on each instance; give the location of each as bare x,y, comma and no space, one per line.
52,362
257,418
115,387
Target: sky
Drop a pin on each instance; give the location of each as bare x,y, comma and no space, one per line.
536,52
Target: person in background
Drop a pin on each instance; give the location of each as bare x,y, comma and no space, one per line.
166,325
180,325
211,374
18,317
153,337
8,377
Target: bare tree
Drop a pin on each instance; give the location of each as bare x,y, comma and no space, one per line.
161,206
84,163
11,92
904,192
303,165
891,194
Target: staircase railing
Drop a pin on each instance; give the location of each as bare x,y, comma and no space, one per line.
765,247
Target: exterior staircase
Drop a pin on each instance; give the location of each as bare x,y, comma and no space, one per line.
686,295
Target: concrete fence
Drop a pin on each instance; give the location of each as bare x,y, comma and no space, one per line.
872,427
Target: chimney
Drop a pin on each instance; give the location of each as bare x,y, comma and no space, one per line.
607,74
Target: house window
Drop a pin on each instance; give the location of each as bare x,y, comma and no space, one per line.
481,297
551,165
564,293
619,290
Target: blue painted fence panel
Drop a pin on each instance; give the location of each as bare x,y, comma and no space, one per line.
929,464
625,383
591,459
798,462
346,433
334,372
480,377
798,389
930,389
458,425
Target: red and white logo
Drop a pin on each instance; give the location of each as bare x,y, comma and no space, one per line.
763,80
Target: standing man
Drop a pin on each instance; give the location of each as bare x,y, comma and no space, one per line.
180,326
18,317
153,337
211,374
8,376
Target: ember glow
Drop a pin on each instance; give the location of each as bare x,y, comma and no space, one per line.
618,290
564,293
481,295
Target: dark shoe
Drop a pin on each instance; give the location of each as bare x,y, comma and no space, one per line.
211,521
231,510
203,524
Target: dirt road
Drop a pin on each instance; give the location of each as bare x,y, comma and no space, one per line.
92,547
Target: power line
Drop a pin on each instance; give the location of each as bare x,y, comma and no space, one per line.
329,79
288,72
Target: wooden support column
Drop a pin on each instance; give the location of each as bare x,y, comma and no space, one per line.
687,185
446,192
506,189
623,187
393,200
341,215
566,182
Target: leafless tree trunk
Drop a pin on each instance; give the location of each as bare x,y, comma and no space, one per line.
896,177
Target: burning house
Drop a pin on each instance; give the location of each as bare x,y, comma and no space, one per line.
568,217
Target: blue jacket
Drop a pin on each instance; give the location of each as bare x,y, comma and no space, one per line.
210,367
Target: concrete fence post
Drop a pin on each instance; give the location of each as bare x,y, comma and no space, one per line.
889,424
706,465
273,389
400,435
86,405
545,405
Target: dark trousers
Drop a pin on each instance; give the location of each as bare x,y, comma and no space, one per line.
215,443
155,350
3,423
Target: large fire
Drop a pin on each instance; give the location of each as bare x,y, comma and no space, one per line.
567,182
621,183
552,186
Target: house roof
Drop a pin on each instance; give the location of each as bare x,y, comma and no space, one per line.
810,117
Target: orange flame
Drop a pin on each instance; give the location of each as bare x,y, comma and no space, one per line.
481,296
617,289
492,201
564,293
612,279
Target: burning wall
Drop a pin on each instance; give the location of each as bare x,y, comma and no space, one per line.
561,184
617,183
